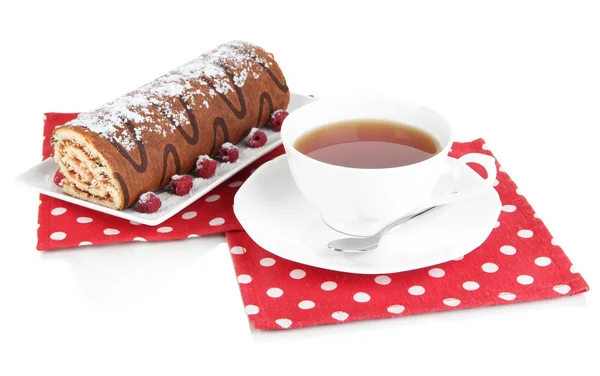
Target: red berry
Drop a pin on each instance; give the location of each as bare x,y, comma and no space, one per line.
58,178
256,138
205,167
228,153
277,118
181,184
149,203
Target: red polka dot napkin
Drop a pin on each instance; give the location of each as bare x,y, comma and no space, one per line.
65,225
518,262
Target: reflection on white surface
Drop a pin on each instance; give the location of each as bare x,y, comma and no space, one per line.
122,274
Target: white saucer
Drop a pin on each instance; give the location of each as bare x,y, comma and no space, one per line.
279,219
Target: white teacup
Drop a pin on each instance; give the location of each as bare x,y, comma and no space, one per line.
360,201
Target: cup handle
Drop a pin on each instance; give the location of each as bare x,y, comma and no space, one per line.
487,162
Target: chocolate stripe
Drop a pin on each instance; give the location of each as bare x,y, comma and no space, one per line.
264,96
219,123
281,85
123,188
193,139
141,167
192,118
241,113
169,149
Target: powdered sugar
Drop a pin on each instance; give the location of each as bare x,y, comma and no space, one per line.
111,119
145,197
227,145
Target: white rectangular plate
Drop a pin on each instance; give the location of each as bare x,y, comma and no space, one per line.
39,178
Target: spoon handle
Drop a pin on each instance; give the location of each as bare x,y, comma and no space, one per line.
401,220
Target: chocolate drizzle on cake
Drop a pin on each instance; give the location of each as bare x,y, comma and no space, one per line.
241,113
169,149
125,121
264,97
124,187
139,167
219,123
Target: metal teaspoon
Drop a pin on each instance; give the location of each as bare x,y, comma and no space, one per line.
370,242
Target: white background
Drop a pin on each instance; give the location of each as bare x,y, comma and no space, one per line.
524,75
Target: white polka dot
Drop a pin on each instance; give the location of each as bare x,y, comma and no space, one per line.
470,285
395,309
192,236
328,286
451,302
543,261
535,215
485,147
496,182
212,198
458,258
436,272
297,274
507,296
45,117
237,250
361,297
111,231
306,304
573,269
58,211
284,323
138,239
383,280
38,225
135,223
164,230
84,220
216,221
501,169
58,235
562,289
235,184
189,215
508,250
519,192
85,243
244,278
554,241
274,292
267,261
509,208
416,290
340,315
489,267
525,233
497,224
251,309
525,279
